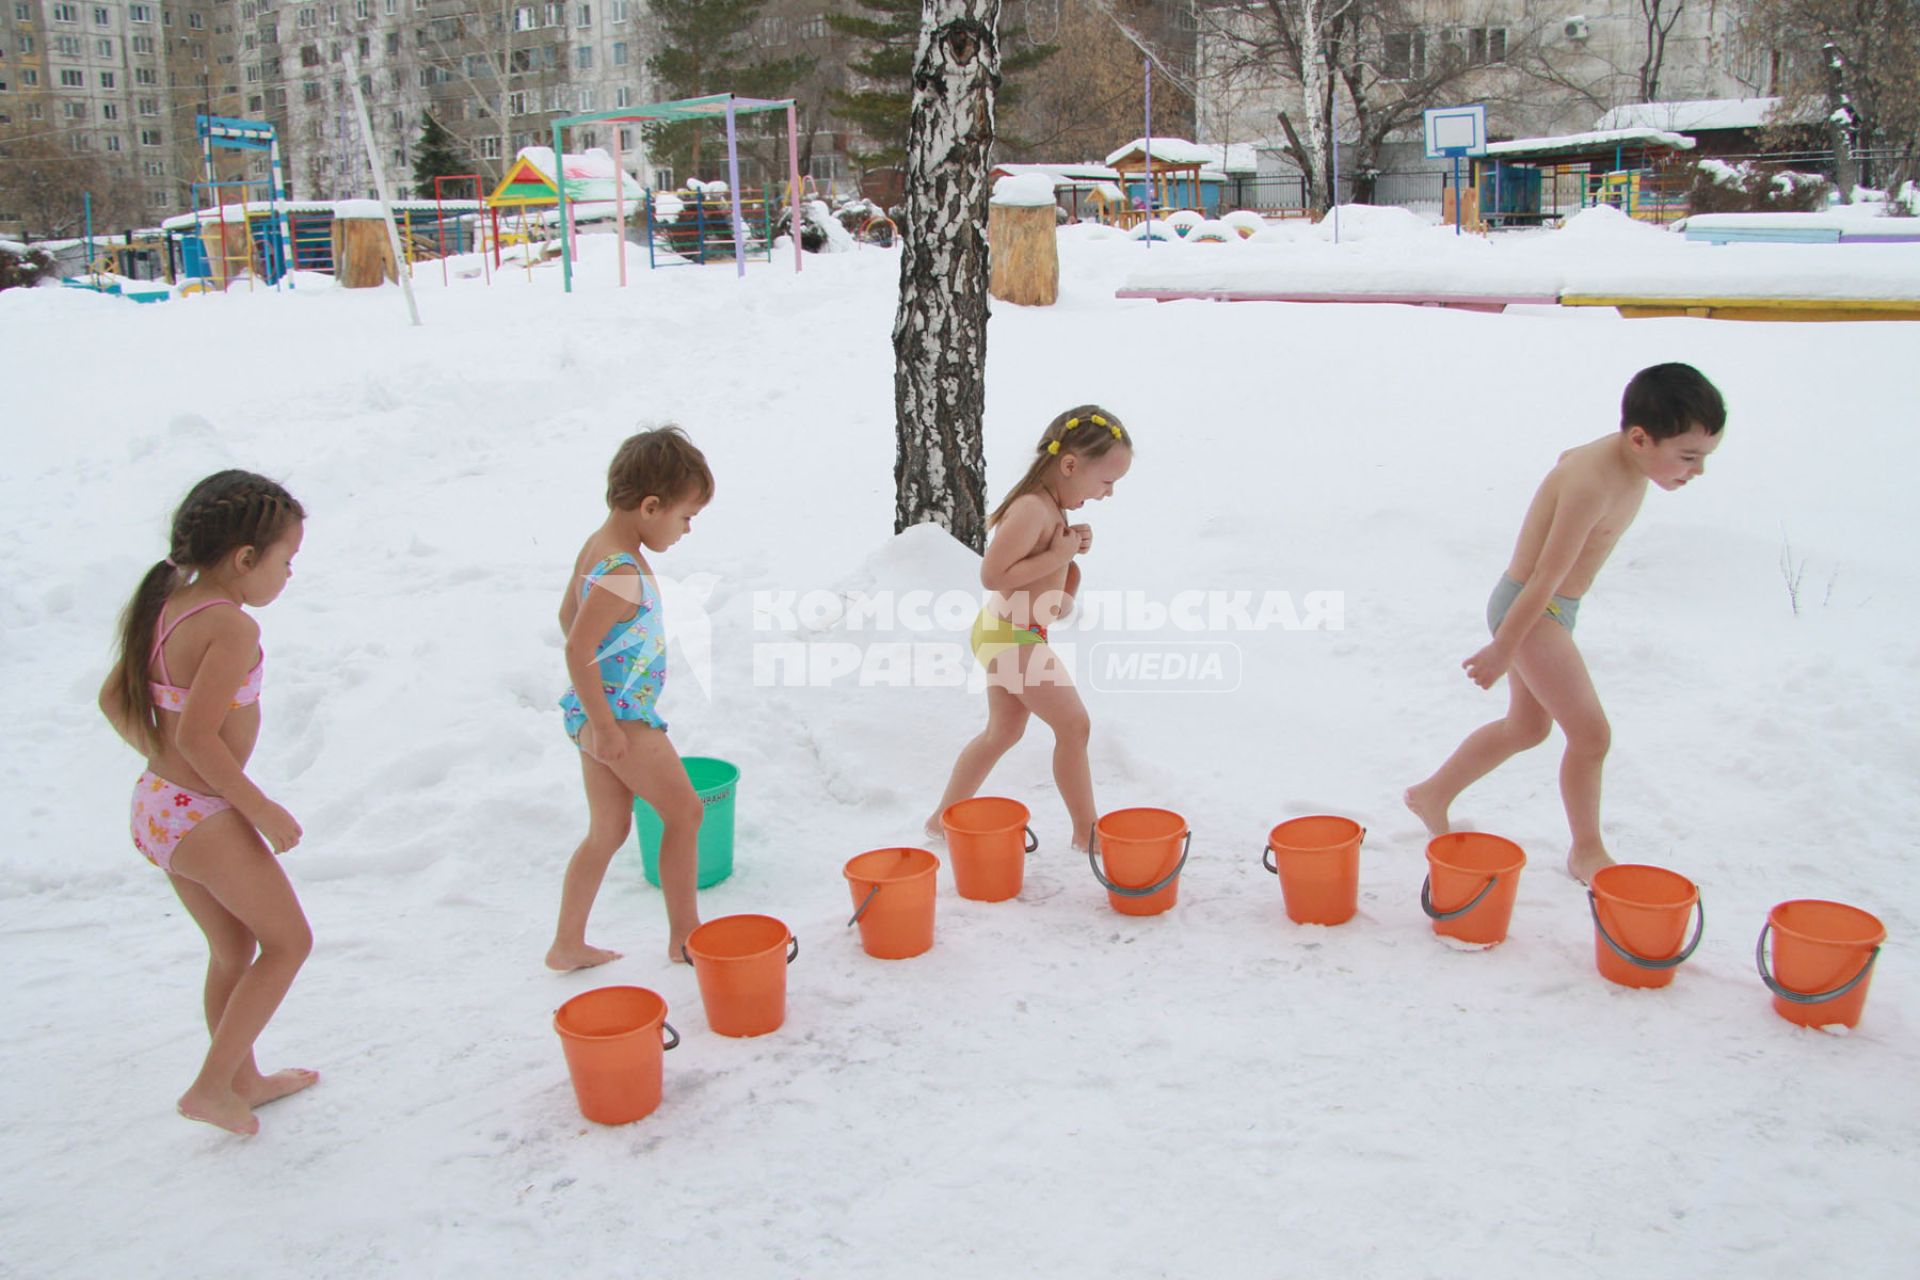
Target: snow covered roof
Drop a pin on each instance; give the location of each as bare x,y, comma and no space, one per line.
1231,157
589,174
1705,113
1168,151
264,209
1062,174
1598,140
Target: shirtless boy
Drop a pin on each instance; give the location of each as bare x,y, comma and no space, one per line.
1670,420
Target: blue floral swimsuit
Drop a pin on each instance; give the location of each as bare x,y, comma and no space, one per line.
632,659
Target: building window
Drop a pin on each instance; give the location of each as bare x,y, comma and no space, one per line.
103,47
310,91
102,18
626,139
1486,46
74,110
583,57
156,168
622,96
814,28
619,53
556,13
143,44
146,75
156,199
106,80
113,142
23,13
140,13
67,46
195,22
523,18
584,17
26,44
71,79
1405,56
490,148
149,137
109,111
587,99
306,18
66,13
149,106
617,11
517,103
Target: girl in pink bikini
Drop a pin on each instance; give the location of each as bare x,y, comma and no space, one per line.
186,694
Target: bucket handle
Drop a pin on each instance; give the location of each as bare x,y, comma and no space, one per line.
1426,898
1672,962
1795,997
1033,841
1093,848
673,1043
863,907
1269,858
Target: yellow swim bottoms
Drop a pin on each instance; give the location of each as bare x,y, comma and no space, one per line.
993,634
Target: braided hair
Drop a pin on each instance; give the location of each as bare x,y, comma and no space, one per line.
223,513
1085,432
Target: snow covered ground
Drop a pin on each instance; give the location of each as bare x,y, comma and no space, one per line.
1054,1089
1600,252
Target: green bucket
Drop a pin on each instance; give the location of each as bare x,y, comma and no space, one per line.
714,781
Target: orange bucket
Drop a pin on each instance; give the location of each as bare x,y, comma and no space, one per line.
1639,921
1823,955
1478,875
1144,850
1318,862
611,1036
741,962
984,842
893,893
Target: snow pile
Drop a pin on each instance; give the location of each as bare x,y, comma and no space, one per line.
1024,190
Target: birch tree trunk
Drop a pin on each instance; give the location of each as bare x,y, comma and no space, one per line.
940,330
1313,86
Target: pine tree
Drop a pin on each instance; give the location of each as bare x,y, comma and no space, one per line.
437,154
883,110
704,50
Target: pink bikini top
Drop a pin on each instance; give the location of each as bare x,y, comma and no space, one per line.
168,697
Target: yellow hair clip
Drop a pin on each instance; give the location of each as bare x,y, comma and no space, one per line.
1099,421
1053,446
1116,433
1071,424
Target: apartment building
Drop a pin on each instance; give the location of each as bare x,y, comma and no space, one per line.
115,81
1540,69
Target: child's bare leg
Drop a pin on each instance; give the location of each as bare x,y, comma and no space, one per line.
1048,692
231,947
1555,671
226,858
609,821
651,769
1525,726
1006,721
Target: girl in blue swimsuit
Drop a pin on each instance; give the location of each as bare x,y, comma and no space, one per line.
616,657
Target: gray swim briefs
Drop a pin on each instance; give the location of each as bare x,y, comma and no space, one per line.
1562,609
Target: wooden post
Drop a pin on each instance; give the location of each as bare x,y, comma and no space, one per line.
1024,245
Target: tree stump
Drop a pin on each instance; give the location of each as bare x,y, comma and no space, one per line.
1026,254
1470,219
362,255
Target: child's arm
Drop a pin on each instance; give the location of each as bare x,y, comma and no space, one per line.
223,669
1575,513
611,599
1005,569
1069,590
569,605
113,705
